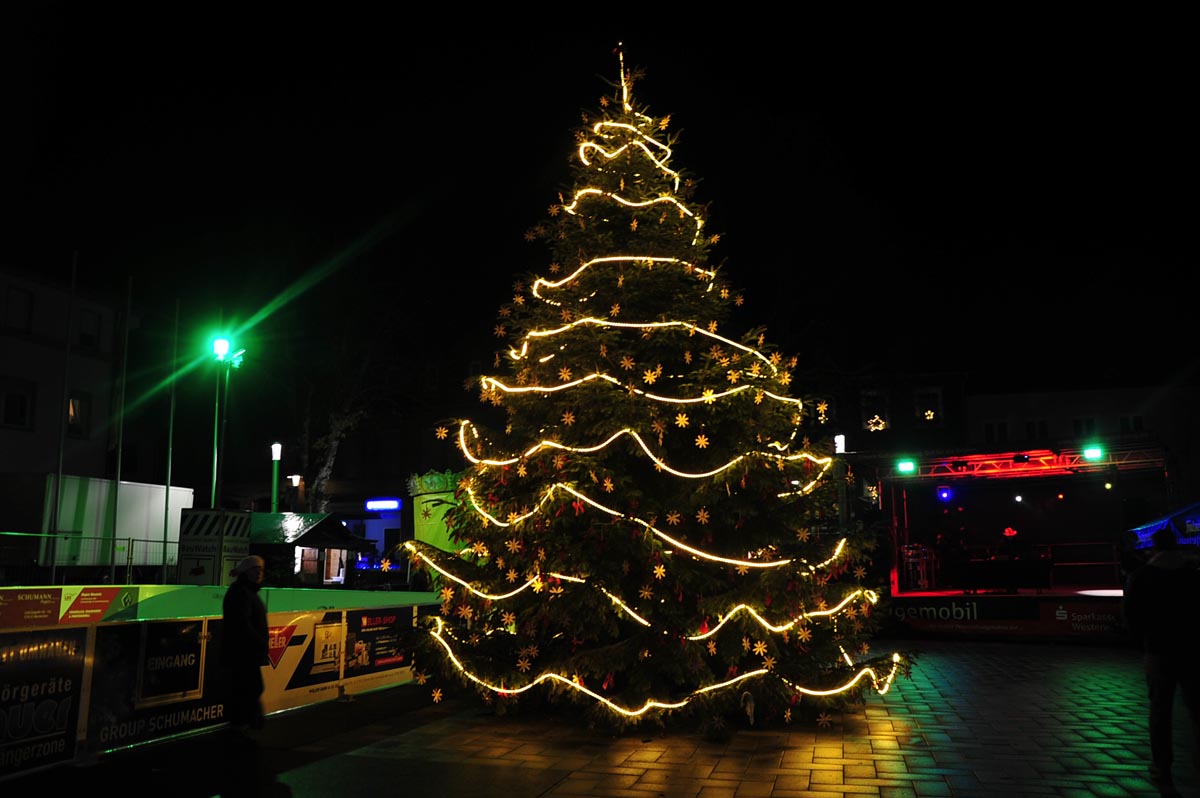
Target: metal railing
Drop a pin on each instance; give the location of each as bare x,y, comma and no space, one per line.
1094,562
71,558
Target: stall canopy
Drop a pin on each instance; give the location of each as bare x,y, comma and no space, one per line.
1185,521
307,530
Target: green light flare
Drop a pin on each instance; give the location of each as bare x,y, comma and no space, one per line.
380,232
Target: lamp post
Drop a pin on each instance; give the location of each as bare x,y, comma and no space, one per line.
226,361
295,497
276,454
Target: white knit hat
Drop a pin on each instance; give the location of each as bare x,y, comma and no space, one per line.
247,563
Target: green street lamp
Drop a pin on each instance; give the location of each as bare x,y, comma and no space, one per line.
276,455
227,360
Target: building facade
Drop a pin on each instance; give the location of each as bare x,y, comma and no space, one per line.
61,405
59,359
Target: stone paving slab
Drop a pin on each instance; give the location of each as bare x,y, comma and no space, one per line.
977,720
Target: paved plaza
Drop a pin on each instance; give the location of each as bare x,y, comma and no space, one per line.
976,719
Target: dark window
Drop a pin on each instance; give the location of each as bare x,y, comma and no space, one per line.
1083,426
16,402
995,432
18,309
1036,430
1130,424
88,334
391,539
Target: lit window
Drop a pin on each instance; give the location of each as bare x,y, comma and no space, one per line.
874,411
78,415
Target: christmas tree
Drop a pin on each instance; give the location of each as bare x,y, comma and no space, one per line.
651,528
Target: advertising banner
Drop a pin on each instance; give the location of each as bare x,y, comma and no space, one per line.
1032,616
151,681
318,656
41,684
171,656
374,651
306,659
29,606
26,607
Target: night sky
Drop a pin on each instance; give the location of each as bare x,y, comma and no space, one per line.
1017,206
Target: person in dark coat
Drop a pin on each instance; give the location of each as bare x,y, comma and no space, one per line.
1129,556
244,645
1158,607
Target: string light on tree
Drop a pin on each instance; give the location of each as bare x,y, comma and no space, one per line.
630,405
